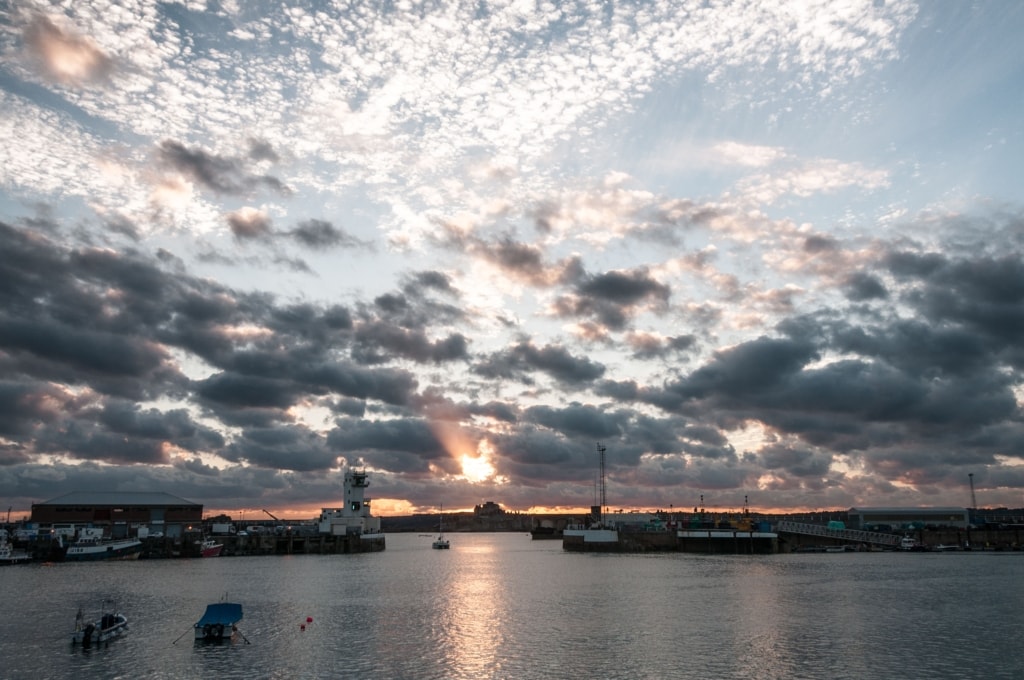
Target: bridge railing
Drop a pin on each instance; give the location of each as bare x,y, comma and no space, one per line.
857,535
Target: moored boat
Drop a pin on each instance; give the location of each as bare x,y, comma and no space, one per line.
218,622
908,543
8,555
91,548
440,543
109,625
210,548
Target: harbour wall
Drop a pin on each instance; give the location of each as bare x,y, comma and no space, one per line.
970,539
716,542
233,545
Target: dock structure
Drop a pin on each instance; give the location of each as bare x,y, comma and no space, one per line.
727,541
302,544
840,536
641,532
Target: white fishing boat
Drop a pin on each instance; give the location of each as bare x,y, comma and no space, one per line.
440,543
91,548
8,555
108,626
218,622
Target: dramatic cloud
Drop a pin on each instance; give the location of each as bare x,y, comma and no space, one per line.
753,249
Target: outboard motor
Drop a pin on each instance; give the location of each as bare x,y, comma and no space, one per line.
87,635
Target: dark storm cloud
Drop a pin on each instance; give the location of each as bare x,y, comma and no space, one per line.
397,445
918,348
129,419
796,462
982,295
103,322
320,234
431,280
524,261
220,174
820,244
348,407
413,309
521,360
377,343
579,420
23,406
614,297
282,448
750,370
862,286
262,150
240,390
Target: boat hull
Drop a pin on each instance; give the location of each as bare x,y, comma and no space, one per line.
113,550
215,632
213,550
14,557
107,628
218,623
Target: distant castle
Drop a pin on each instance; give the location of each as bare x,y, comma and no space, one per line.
488,509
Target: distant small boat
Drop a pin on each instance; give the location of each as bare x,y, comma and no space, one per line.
908,543
210,548
91,548
218,623
440,543
111,624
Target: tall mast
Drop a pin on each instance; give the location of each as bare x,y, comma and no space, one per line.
603,499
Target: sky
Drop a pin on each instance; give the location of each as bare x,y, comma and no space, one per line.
762,252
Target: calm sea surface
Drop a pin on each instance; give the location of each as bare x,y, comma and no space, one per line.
503,606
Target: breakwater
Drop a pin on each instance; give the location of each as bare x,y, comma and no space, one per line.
234,545
705,541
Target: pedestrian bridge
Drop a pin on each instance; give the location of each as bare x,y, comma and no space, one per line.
851,535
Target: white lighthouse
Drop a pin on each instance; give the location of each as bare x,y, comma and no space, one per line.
354,517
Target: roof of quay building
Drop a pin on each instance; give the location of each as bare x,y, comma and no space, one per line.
119,498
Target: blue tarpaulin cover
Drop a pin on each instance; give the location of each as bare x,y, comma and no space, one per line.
225,613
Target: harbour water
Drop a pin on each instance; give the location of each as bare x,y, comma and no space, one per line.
503,606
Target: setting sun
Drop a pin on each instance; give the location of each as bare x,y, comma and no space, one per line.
476,469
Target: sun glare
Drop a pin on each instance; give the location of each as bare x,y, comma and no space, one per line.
476,469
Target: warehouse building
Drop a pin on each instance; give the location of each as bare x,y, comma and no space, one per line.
119,513
903,518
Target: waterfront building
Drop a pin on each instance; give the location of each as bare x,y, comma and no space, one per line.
902,518
119,513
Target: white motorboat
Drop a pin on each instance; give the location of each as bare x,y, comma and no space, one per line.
108,626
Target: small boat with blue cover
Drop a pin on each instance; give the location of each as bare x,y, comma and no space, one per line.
218,623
